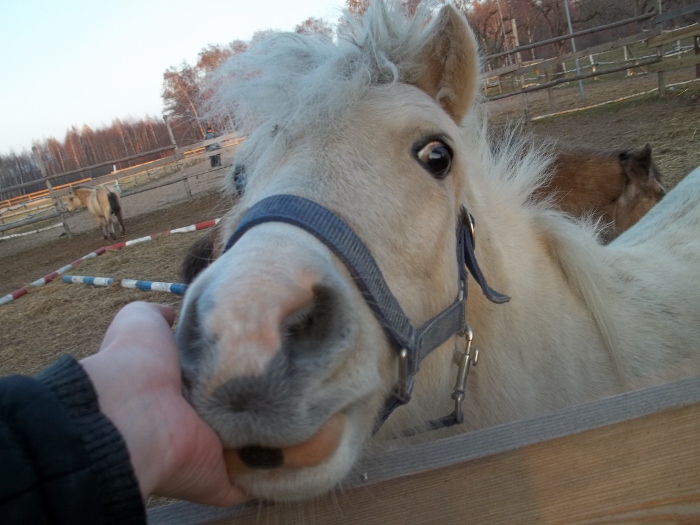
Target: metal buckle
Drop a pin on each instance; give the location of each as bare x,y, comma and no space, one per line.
472,234
463,367
469,220
404,389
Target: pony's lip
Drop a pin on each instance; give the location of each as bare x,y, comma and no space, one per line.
310,453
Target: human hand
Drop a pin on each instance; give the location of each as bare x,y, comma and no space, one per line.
137,377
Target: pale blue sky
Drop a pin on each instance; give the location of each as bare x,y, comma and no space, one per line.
75,62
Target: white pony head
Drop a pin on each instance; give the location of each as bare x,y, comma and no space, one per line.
281,354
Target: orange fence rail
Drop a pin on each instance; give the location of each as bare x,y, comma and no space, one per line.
37,194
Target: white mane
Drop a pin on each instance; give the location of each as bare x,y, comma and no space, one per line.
296,80
514,168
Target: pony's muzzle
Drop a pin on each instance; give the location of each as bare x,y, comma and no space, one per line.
261,334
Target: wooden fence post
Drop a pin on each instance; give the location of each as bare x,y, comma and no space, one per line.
696,46
57,201
170,132
660,55
550,98
526,109
627,55
593,65
166,118
187,188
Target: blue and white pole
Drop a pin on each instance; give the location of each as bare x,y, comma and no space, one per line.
154,286
93,281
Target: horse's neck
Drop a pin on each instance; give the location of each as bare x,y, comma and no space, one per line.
83,194
584,320
524,368
531,346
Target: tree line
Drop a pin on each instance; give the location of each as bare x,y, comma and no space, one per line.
495,24
81,148
183,95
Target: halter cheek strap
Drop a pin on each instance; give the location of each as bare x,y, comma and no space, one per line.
411,344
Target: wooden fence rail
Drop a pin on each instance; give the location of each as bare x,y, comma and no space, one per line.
193,152
682,11
27,222
572,35
583,76
23,199
631,458
654,38
602,48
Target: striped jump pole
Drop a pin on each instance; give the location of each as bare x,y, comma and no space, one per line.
14,295
153,286
39,230
93,281
48,278
196,227
192,228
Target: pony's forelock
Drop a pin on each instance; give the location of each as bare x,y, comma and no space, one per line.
303,81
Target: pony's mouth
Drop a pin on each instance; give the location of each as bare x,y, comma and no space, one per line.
310,453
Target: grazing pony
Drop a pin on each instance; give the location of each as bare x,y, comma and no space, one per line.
617,188
102,203
338,290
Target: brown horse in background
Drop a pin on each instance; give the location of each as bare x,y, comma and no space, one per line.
102,203
617,188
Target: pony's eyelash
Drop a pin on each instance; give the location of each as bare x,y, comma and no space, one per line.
433,137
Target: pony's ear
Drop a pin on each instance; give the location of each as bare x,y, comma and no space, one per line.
642,157
449,63
637,159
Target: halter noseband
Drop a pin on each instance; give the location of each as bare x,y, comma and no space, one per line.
411,344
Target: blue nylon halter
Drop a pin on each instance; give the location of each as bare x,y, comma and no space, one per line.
412,344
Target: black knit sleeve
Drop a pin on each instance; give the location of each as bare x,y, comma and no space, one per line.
62,460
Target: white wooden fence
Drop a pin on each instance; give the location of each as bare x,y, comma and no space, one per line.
189,154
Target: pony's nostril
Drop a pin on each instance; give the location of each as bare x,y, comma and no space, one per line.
261,457
312,327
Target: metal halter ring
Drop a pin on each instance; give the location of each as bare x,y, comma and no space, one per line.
466,360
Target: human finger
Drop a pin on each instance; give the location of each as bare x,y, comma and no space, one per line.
140,319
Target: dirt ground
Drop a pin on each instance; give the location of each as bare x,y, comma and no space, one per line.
71,318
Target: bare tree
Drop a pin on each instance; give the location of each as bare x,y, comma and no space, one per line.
211,57
315,26
181,94
485,21
357,8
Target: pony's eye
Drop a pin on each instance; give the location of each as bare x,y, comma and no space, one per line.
436,157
